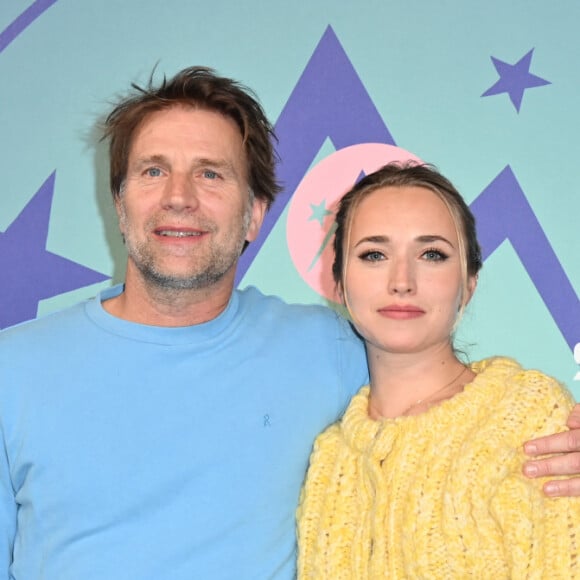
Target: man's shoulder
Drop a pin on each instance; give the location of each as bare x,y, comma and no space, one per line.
274,307
46,327
254,298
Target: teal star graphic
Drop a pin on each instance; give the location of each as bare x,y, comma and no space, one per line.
327,239
319,212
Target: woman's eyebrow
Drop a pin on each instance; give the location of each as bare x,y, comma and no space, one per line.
429,239
378,239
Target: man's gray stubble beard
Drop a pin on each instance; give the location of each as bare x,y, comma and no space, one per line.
218,264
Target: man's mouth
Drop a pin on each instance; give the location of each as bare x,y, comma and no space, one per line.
178,233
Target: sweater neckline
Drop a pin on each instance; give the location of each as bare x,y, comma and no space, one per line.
375,437
163,335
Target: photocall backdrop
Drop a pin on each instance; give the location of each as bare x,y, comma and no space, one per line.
487,91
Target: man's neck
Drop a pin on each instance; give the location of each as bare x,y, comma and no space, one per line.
144,304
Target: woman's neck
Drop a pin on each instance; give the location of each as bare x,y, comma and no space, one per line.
410,384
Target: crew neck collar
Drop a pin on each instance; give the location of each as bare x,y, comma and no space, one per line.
168,335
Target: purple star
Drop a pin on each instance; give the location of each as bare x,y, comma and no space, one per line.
514,79
28,272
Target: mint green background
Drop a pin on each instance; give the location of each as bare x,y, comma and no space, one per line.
425,65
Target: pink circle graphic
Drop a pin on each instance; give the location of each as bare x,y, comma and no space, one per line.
310,226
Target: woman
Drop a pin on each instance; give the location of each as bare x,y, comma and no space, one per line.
422,477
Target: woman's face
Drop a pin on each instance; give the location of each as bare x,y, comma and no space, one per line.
403,279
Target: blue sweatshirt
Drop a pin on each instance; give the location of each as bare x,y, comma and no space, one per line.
133,452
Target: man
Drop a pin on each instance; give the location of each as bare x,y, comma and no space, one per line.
162,430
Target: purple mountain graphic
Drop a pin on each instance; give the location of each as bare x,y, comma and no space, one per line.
330,101
504,214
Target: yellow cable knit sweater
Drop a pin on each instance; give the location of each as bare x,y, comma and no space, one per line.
442,494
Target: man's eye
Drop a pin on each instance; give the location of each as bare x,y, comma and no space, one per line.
209,174
153,172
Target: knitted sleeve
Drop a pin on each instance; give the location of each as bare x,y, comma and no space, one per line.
541,535
310,496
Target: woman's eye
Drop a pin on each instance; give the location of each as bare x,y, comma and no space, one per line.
434,255
372,256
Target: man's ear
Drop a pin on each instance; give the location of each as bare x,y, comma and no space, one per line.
259,209
119,210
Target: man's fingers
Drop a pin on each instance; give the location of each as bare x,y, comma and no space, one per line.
568,464
574,418
557,443
562,488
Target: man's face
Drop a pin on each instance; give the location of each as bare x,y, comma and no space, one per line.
185,209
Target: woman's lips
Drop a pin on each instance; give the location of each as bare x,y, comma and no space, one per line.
401,312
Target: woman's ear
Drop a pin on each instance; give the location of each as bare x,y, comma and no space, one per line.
471,286
340,293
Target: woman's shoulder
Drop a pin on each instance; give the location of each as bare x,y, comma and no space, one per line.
527,396
506,370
